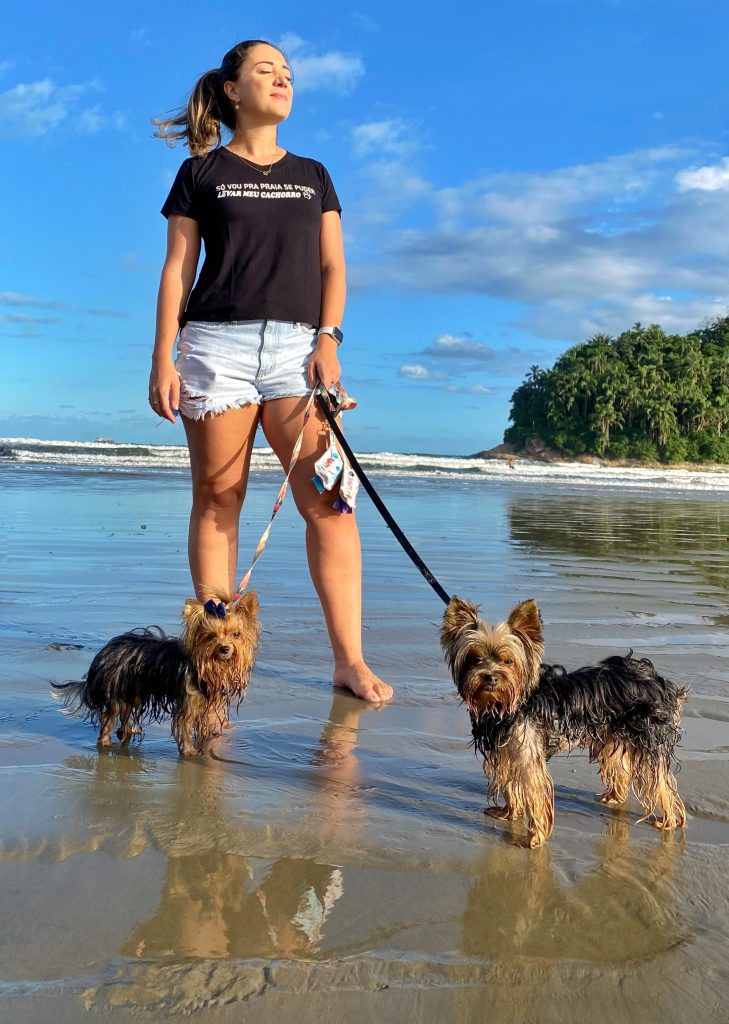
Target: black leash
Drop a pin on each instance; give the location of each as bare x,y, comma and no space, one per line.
379,504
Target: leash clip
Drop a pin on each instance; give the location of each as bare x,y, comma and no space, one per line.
336,398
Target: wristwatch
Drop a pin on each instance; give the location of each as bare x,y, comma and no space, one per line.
334,331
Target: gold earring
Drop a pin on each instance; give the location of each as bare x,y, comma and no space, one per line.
237,105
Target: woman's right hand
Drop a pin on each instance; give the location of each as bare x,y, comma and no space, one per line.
164,388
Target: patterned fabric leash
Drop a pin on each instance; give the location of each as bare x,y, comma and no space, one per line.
281,495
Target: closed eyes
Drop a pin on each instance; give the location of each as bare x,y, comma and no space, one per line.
269,71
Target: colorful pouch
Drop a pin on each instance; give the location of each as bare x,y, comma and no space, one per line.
328,467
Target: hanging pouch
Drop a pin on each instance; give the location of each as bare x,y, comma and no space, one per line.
328,467
348,487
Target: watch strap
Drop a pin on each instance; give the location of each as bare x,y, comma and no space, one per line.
334,331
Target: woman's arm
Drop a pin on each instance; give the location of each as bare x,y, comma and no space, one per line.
176,281
324,363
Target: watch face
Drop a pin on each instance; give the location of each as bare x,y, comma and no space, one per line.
338,335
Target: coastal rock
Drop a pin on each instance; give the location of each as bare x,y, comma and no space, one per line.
534,448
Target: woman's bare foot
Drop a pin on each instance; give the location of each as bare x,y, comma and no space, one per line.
363,683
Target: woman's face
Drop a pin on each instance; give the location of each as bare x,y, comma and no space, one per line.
264,85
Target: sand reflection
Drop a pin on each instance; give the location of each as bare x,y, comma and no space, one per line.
218,903
623,906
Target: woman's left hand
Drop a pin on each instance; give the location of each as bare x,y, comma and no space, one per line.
323,362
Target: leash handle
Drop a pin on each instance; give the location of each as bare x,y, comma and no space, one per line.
379,504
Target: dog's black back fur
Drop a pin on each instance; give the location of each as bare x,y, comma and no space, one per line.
142,669
620,696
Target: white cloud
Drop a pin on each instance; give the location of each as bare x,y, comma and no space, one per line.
332,70
30,318
35,108
415,371
106,312
452,346
463,356
365,21
706,179
583,248
472,389
15,299
394,137
90,121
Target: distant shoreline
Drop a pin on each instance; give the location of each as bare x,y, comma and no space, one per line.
537,451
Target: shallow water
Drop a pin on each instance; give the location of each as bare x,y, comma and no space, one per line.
325,859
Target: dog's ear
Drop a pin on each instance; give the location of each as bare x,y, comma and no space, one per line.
193,609
246,605
525,620
459,615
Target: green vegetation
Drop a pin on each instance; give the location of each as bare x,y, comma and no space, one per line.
645,395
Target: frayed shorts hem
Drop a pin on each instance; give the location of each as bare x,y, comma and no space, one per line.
197,407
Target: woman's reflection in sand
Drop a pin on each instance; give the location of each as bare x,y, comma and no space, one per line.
216,903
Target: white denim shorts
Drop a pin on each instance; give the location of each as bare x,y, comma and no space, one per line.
223,365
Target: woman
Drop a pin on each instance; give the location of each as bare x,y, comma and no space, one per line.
250,345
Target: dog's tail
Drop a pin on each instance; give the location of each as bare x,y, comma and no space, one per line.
72,696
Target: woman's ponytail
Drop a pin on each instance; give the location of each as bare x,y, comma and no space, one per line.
198,122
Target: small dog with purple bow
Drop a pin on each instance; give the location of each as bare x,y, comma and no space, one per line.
522,712
145,676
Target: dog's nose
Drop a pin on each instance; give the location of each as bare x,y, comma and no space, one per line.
224,649
488,678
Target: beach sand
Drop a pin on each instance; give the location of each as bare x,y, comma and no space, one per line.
329,861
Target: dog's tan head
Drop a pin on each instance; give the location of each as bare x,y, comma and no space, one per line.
494,667
222,642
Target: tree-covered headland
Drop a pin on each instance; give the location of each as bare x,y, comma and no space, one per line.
644,395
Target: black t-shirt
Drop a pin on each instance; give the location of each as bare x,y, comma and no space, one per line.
261,235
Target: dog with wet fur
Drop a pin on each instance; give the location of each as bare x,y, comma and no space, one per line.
522,712
145,676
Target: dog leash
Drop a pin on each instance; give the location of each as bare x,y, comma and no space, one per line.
323,403
281,495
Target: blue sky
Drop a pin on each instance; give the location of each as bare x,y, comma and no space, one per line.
514,177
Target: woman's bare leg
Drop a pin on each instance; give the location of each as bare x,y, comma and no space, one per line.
332,546
220,456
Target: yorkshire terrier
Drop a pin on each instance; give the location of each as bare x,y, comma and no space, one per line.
522,712
145,676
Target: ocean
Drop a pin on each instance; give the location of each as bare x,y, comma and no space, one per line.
105,455
325,858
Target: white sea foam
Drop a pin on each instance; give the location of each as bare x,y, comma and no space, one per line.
114,457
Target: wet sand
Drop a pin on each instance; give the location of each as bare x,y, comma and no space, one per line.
326,861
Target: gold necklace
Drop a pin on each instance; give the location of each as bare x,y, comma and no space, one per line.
252,166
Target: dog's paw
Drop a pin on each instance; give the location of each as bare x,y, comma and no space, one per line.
503,813
609,800
531,842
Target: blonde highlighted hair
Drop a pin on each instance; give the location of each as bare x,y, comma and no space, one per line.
198,121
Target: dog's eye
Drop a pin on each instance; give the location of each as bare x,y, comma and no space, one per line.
236,634
508,662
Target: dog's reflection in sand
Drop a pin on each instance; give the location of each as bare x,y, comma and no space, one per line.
623,906
217,903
